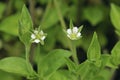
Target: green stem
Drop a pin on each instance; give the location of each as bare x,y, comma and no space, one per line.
46,12
32,9
60,15
38,61
27,49
27,59
9,7
74,56
38,54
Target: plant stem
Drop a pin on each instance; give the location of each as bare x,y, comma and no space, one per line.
60,15
74,56
27,48
9,7
38,61
32,10
27,53
38,54
46,12
72,46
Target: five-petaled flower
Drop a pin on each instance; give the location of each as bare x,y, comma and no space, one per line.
38,36
73,33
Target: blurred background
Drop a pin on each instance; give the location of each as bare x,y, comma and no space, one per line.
93,14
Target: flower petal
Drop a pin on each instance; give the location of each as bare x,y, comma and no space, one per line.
69,31
43,37
36,41
33,36
75,29
35,31
41,32
78,34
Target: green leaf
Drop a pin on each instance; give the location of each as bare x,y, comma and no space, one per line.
2,8
115,54
98,78
71,24
7,76
104,60
18,4
15,65
71,65
44,1
51,17
10,25
25,26
93,14
115,16
111,64
62,75
54,60
83,69
94,51
80,28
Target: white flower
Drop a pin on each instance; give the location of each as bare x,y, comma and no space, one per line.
38,36
73,33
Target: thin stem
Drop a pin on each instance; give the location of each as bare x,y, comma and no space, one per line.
27,54
46,12
38,52
32,9
72,46
60,15
27,58
9,7
74,56
38,61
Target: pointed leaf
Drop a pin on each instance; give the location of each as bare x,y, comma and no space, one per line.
80,28
116,54
83,69
25,26
15,65
10,24
93,14
62,75
71,65
54,60
94,51
115,16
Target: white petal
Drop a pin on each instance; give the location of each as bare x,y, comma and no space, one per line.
35,31
41,32
43,37
78,34
36,40
75,29
33,36
69,31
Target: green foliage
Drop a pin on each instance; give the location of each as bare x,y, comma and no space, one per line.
2,8
53,61
7,76
94,51
25,26
93,14
115,16
62,75
71,65
15,65
10,25
50,17
115,54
